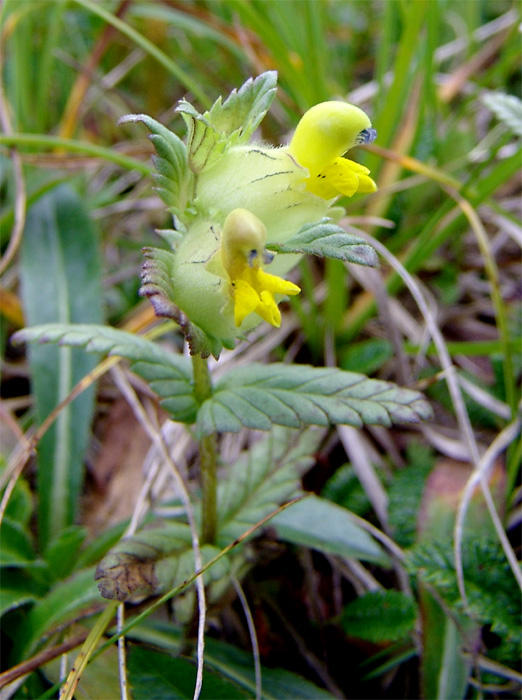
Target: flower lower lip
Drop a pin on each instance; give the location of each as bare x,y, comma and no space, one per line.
367,136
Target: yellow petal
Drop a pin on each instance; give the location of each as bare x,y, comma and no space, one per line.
325,132
246,300
268,309
366,184
276,285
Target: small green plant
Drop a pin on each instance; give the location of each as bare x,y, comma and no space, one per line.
243,215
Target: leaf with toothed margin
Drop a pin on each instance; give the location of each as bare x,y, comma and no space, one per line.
174,179
259,396
156,276
168,374
227,123
327,240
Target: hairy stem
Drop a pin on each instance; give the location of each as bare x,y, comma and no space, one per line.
208,456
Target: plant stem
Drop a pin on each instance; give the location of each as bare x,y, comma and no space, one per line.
207,455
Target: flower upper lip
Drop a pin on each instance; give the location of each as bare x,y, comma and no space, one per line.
366,136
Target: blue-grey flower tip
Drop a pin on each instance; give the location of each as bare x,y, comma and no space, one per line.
366,136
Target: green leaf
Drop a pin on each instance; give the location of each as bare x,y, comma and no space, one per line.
155,675
507,108
327,240
17,589
259,396
406,492
62,552
380,616
157,275
227,123
326,527
345,489
367,356
444,668
232,663
168,374
16,547
61,281
20,506
492,591
174,179
64,600
244,109
266,475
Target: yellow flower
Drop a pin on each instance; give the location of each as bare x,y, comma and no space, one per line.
242,256
323,135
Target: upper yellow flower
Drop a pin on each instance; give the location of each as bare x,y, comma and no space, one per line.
242,256
321,138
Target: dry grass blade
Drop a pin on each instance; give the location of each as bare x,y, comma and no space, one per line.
20,196
479,477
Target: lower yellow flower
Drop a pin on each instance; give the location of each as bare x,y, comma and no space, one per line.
242,256
323,135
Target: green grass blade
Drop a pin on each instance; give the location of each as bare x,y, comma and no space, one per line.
57,287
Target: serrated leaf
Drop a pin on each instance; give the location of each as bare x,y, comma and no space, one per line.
259,396
265,476
173,179
204,142
317,523
61,283
327,240
156,276
507,108
345,489
380,616
491,588
227,123
168,374
244,109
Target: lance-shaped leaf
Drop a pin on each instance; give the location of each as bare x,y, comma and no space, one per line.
157,275
259,396
327,240
60,270
168,374
174,179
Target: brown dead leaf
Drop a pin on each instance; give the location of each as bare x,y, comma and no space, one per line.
117,471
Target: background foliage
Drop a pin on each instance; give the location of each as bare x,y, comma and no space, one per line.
441,81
